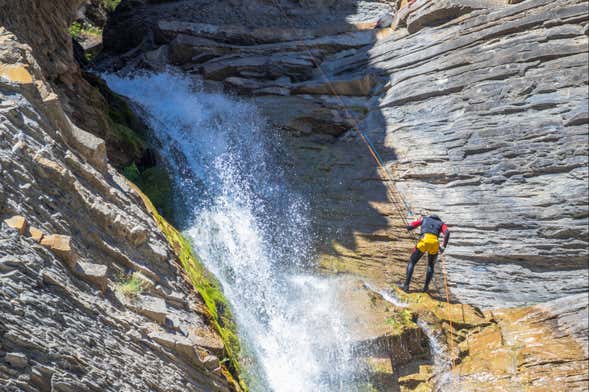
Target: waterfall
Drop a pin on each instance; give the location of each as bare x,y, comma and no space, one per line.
250,230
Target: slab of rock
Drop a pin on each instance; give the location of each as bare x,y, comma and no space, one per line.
355,85
210,343
153,307
17,222
36,234
17,360
425,13
96,274
57,242
211,362
179,344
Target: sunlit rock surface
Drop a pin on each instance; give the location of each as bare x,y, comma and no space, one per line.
527,348
91,294
478,108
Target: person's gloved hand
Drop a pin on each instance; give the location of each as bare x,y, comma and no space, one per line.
442,250
409,228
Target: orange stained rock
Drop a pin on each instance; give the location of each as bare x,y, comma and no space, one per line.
16,73
523,350
36,234
57,242
460,314
17,222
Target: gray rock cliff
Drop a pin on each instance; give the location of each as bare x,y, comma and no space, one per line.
479,110
92,297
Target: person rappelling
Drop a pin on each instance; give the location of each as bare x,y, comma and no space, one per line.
431,228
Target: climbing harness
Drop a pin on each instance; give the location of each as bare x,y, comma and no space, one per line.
393,193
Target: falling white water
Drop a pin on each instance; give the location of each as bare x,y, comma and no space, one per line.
250,230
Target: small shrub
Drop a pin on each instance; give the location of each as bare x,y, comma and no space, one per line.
79,30
76,30
401,320
131,286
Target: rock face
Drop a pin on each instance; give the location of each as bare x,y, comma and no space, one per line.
521,349
44,27
485,115
479,109
75,236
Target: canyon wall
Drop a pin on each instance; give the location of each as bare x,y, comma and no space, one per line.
92,295
479,111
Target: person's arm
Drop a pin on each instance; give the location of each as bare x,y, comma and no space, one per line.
415,224
446,233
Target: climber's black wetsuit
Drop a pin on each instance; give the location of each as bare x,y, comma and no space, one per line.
431,228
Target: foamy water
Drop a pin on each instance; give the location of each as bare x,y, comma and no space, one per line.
250,230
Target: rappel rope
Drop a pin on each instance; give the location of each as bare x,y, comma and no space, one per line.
397,199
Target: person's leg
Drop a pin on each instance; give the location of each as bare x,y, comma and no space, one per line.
431,262
415,256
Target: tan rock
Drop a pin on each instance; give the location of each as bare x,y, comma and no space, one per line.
17,73
36,234
17,222
57,242
61,246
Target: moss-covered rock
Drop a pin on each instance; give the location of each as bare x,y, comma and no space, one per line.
155,183
219,311
126,136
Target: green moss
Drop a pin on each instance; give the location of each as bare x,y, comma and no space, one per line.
129,141
78,30
155,183
209,289
400,321
110,5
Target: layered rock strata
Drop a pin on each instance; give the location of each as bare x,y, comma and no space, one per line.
478,108
92,297
521,349
44,27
